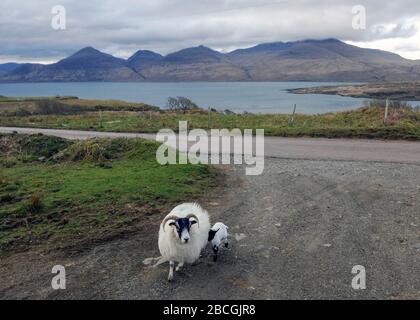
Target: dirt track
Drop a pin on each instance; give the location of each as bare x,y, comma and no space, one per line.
296,232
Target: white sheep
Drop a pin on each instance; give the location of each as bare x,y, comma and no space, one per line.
218,234
182,235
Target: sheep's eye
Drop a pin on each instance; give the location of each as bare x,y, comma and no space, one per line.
193,222
172,223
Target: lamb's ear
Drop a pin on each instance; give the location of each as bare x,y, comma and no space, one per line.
212,233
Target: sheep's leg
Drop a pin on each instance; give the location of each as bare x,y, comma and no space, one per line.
179,266
160,261
171,270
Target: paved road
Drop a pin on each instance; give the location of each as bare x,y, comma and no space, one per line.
297,230
289,148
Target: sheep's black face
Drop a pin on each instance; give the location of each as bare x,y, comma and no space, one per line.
183,226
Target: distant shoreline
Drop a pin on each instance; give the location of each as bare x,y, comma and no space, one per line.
402,91
261,97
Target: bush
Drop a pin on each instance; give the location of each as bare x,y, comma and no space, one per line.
35,203
42,146
49,107
95,150
182,104
392,104
8,145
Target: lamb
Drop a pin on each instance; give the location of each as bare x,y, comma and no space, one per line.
218,234
183,234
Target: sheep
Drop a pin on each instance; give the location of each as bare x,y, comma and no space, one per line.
218,234
183,234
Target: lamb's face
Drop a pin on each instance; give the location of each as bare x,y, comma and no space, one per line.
182,228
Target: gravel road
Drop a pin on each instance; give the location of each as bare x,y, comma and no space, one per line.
285,148
296,232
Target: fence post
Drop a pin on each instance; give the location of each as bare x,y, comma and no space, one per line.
209,118
292,119
386,110
100,118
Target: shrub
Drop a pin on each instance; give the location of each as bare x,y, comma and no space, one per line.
182,104
49,107
42,146
35,203
8,145
379,103
96,150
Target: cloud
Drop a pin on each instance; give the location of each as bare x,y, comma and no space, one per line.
124,26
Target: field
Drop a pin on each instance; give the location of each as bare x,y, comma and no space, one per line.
64,194
10,106
365,122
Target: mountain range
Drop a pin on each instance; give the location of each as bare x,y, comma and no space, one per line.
307,60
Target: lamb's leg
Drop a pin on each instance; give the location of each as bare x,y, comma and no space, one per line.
215,250
179,266
171,270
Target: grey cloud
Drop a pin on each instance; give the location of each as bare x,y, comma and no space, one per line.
121,27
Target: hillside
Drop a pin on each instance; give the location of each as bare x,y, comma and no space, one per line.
87,64
308,60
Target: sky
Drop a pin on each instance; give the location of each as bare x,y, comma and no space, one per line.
125,26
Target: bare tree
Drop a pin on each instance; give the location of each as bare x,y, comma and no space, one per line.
180,104
172,104
186,104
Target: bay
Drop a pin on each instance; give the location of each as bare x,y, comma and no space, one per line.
255,97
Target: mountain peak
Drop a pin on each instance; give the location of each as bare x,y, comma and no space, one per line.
327,40
145,55
268,46
194,54
89,58
87,51
199,50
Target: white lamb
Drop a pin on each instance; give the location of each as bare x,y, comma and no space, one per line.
182,235
218,234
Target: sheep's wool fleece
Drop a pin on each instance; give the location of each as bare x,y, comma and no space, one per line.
169,245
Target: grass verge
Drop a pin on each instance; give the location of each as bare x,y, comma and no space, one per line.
72,113
366,122
70,194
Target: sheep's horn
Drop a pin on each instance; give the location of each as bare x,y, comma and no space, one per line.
191,215
172,217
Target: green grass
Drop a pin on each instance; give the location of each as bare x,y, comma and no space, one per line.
10,106
366,122
85,194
